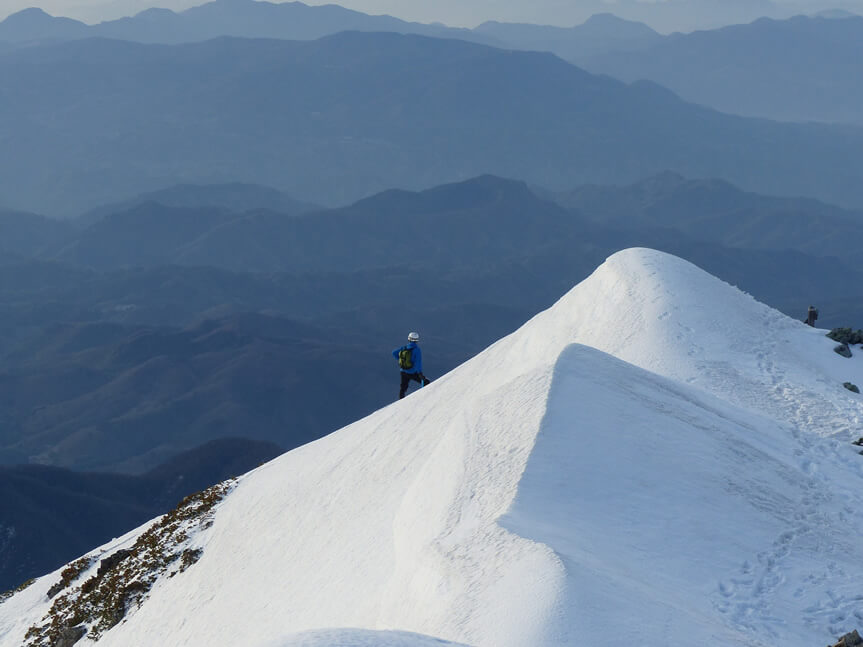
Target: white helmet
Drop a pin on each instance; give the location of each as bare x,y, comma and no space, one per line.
414,336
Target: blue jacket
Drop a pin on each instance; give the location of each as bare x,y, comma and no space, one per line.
417,357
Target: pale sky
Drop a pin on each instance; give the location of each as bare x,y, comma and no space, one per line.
664,15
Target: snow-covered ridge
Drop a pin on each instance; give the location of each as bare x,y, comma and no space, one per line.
657,455
666,315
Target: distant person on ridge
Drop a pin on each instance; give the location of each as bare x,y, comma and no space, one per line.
410,360
811,316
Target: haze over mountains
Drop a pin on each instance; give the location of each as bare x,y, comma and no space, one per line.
240,18
802,69
797,69
715,211
228,109
600,34
233,197
676,15
165,292
668,16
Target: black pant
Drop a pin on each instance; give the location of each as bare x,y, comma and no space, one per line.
407,377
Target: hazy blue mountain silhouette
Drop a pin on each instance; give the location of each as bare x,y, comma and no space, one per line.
51,515
235,196
145,235
77,395
836,14
600,34
339,118
467,224
470,226
35,25
154,360
718,212
295,20
793,70
30,234
240,18
453,222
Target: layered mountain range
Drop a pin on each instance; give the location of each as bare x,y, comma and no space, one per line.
803,68
376,111
675,16
170,326
240,18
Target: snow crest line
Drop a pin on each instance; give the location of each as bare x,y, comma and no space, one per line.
449,544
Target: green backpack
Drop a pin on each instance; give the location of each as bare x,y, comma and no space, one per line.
406,358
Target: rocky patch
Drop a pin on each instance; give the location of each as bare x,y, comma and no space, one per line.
70,574
844,350
124,578
850,640
846,336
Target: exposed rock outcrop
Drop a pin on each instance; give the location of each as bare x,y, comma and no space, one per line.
69,636
846,336
110,562
69,574
843,349
125,577
850,640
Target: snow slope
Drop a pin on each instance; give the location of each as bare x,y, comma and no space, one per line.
657,455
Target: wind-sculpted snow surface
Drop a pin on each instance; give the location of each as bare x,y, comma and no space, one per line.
698,488
680,517
360,638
